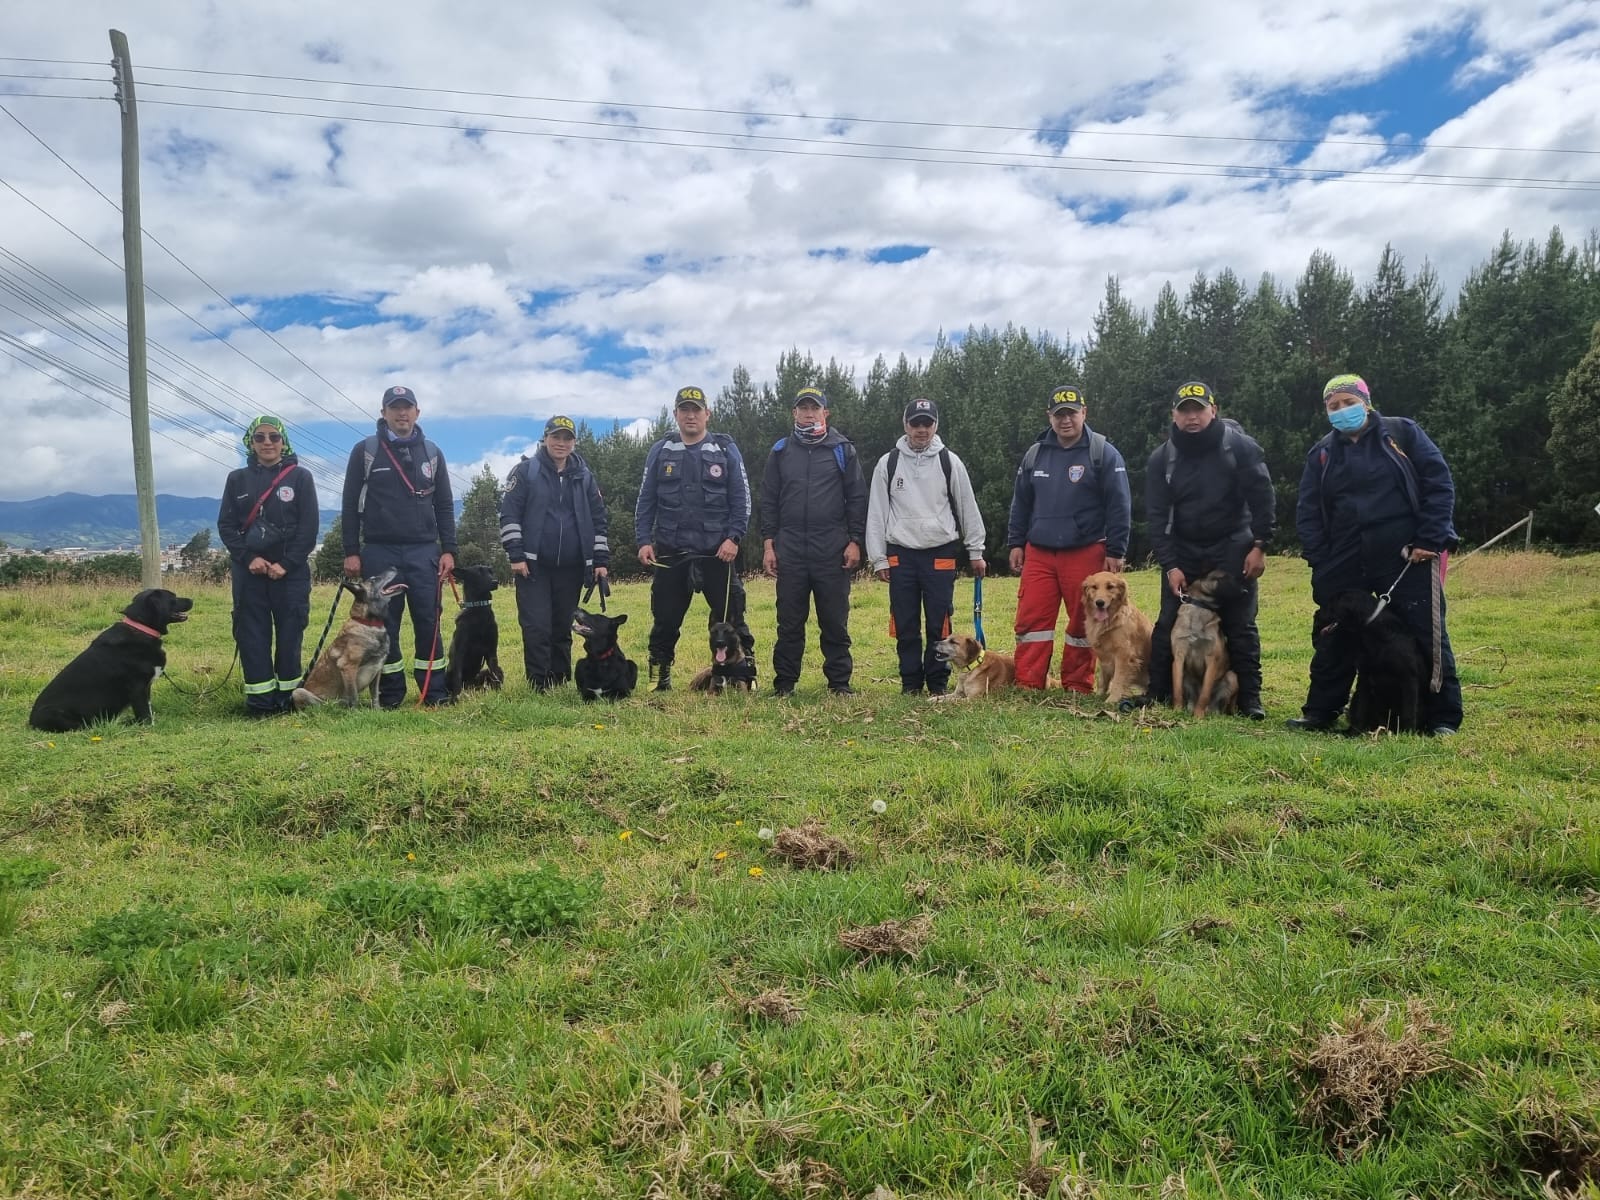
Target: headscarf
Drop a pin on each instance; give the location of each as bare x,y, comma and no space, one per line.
270,422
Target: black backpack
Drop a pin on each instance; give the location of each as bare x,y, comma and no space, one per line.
949,491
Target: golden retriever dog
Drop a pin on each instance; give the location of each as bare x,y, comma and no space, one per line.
1202,681
978,671
1119,635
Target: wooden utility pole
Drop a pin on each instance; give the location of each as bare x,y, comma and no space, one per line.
144,480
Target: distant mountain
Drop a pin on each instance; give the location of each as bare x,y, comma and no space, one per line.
104,522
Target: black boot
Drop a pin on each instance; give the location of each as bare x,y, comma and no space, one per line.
662,674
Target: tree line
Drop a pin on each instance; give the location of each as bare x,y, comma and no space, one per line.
1494,378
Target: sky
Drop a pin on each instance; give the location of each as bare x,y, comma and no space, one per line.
578,206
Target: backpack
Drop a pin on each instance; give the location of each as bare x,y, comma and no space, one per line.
1097,452
369,450
1229,460
1407,471
838,451
949,491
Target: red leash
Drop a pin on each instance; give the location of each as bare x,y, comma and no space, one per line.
438,617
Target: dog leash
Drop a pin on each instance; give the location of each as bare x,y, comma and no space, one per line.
433,654
332,612
1387,595
602,582
201,693
977,610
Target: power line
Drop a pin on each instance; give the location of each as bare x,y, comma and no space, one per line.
834,119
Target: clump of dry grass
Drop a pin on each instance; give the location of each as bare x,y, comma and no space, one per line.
654,1115
1360,1070
889,939
775,1005
811,846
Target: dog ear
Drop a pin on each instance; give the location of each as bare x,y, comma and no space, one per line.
622,619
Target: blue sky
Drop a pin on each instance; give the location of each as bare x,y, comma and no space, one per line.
509,263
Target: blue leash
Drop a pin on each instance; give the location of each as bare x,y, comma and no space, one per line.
977,610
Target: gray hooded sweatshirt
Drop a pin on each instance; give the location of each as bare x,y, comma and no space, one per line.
913,509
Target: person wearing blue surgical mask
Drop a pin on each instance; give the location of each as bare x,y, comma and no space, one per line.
1376,513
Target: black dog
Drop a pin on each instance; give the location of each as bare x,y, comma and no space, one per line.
116,670
729,667
1391,671
603,673
475,645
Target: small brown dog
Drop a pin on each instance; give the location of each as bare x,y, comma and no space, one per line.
730,670
1202,681
980,671
354,661
1118,633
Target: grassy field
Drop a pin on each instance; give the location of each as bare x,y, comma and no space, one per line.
526,946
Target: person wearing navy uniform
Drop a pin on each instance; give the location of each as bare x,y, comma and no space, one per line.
398,512
268,522
813,526
553,527
1376,513
693,511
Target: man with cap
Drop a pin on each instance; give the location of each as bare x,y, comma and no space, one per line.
398,512
813,524
1071,515
268,521
1376,513
1209,506
553,526
920,510
693,511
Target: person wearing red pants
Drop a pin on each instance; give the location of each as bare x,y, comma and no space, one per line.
1071,515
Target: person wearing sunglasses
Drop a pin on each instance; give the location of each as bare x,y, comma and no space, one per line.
268,522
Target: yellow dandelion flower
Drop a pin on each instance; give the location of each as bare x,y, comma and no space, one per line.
720,855
624,835
599,726
736,822
52,745
756,872
96,738
410,857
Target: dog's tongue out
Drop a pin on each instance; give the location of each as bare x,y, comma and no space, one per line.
722,654
1101,614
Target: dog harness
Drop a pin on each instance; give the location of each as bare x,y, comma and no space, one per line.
743,671
132,624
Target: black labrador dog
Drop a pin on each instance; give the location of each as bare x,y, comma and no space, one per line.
475,645
116,670
729,667
1391,670
603,673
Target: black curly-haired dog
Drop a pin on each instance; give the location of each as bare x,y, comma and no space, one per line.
729,667
116,670
475,645
604,672
1391,670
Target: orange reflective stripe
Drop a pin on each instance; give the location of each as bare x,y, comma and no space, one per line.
894,560
894,631
944,564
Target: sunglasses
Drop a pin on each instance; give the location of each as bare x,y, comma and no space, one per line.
266,437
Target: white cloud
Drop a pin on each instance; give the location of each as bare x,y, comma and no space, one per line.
701,259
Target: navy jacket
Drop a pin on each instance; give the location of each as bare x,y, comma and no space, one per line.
692,497
536,492
1393,477
813,498
411,505
285,530
1064,502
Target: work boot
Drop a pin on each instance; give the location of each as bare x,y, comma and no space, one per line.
662,674
1312,722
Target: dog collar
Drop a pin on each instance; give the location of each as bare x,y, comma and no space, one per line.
476,603
375,622
132,624
608,653
983,653
1205,604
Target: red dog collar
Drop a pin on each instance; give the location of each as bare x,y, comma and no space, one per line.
374,622
132,624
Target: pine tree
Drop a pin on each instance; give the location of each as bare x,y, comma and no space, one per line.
478,530
327,565
1575,432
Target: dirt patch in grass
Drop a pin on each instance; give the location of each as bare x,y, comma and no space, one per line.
812,847
1559,1146
1359,1070
889,939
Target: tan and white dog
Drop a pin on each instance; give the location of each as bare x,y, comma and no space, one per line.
979,672
354,661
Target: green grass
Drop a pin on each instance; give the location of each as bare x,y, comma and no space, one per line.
413,953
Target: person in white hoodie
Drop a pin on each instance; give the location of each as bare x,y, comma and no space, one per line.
920,511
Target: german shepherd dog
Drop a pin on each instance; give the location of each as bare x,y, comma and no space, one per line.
354,661
116,670
1391,669
475,645
729,668
1202,681
603,673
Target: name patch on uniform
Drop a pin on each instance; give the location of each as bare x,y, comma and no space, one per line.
1041,474
1075,472
714,470
286,493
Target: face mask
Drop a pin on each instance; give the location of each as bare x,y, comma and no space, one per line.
1348,420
